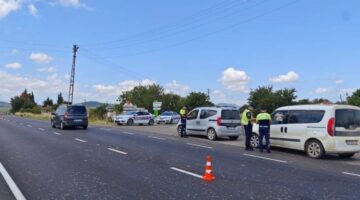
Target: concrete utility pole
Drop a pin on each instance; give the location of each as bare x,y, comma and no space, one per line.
72,78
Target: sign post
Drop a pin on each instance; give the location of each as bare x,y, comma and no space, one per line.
156,107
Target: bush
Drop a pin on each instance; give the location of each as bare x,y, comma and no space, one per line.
34,110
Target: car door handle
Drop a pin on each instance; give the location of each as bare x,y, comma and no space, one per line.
285,129
282,129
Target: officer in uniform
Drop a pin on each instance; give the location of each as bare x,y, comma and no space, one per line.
264,120
246,121
183,114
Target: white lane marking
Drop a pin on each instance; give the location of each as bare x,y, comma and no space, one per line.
128,133
265,158
186,172
351,174
41,129
56,133
105,129
198,145
117,151
80,140
29,125
157,138
12,185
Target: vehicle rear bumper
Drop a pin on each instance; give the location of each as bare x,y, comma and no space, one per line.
76,123
340,145
226,131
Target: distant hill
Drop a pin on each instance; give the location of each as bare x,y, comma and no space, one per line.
92,104
4,104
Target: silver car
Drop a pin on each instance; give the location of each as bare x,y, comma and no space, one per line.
213,122
135,117
168,117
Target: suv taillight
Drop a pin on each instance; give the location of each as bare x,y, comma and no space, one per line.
218,121
331,126
66,115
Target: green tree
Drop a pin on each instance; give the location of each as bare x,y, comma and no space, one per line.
60,99
24,101
354,99
16,104
197,99
171,102
99,112
48,102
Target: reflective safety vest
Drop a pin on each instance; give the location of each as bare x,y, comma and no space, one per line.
245,117
263,119
182,112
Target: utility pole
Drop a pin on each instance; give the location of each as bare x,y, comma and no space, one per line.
72,78
208,94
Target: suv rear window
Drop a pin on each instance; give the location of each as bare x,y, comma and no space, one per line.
347,118
77,110
230,114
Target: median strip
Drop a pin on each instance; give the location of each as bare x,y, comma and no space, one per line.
117,151
12,185
186,172
351,174
198,145
265,158
80,140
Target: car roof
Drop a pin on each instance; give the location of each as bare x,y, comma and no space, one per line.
217,108
317,106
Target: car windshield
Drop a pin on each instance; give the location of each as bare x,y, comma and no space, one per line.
78,110
166,114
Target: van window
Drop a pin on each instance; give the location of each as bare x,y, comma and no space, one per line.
347,118
207,113
279,117
193,114
305,116
77,110
230,114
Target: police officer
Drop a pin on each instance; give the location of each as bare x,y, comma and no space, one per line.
264,120
246,121
183,114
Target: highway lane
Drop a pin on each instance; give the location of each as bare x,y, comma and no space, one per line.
60,166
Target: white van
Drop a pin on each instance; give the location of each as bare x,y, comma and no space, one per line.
315,129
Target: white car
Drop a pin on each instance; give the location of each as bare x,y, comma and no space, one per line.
168,117
315,129
135,117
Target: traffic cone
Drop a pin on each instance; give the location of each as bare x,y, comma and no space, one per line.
208,171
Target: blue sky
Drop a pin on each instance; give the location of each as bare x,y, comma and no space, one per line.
227,46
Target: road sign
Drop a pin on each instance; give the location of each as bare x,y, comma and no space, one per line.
157,105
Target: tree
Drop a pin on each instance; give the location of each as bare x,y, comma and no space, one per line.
48,102
24,101
99,112
197,99
60,99
171,102
354,99
16,104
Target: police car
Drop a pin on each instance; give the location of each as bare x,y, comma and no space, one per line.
135,117
168,117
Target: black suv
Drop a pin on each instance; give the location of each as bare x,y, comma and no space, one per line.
70,116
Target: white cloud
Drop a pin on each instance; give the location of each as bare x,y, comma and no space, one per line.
176,88
8,6
322,90
339,81
116,90
235,80
218,94
32,9
47,69
14,65
52,77
69,3
289,77
41,58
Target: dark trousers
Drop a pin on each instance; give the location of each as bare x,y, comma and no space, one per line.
248,134
183,127
264,132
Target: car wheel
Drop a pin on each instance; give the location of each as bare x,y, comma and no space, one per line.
62,126
234,137
314,149
211,134
130,122
85,127
52,124
346,155
254,141
151,122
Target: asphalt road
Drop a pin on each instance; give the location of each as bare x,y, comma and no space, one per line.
115,163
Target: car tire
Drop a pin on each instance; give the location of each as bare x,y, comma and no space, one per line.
254,140
52,124
85,127
62,126
130,122
151,122
119,124
211,134
234,137
346,155
314,149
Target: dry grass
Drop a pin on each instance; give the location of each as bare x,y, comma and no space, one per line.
42,116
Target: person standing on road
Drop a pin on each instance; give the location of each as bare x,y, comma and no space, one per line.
264,120
246,121
183,114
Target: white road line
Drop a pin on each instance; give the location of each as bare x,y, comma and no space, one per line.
186,172
41,129
12,185
198,145
56,133
128,133
105,129
157,138
29,125
117,151
265,158
80,140
351,174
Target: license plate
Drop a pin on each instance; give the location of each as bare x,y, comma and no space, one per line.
231,128
78,120
351,142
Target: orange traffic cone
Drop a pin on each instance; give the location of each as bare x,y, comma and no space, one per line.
208,171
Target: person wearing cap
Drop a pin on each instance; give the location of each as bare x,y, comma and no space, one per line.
183,114
246,121
264,121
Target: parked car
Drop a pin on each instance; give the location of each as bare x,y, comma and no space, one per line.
168,117
135,117
213,122
70,116
316,129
